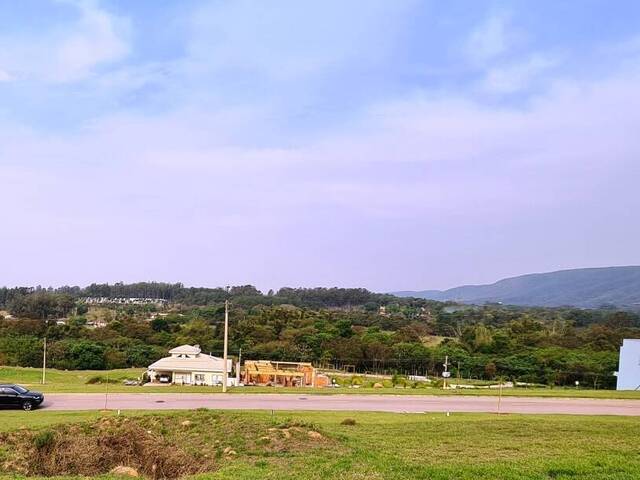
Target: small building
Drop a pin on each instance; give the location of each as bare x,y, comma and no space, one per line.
629,367
96,323
187,365
285,374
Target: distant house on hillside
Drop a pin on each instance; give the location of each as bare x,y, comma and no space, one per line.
96,323
187,365
629,366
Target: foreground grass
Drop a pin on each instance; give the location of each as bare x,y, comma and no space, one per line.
59,381
416,446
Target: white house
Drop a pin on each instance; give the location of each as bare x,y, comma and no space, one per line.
187,365
629,367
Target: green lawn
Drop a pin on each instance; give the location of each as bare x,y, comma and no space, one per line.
76,382
403,446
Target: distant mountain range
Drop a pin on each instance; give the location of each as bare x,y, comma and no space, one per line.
584,287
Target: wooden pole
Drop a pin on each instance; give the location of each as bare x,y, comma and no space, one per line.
44,360
225,374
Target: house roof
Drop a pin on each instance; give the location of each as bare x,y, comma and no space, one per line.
186,349
201,363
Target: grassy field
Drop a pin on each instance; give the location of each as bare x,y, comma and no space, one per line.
387,446
76,382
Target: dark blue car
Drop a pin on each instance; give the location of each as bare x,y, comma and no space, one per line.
15,396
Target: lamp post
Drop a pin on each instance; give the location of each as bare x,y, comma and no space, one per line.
44,352
225,373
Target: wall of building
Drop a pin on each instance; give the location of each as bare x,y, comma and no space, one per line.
629,369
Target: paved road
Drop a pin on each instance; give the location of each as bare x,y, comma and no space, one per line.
380,403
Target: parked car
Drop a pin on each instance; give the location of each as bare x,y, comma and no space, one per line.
15,396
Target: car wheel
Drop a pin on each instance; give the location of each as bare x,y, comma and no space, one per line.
27,406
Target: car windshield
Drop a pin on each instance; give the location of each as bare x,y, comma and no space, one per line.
20,389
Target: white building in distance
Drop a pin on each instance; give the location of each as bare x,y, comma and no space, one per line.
187,365
629,366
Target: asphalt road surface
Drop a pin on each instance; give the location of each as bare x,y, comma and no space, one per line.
369,403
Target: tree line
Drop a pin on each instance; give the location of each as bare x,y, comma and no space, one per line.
246,295
411,336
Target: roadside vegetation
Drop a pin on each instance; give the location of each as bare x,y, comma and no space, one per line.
321,445
352,330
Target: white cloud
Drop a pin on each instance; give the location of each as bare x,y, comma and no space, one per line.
490,39
518,76
473,153
448,166
294,39
68,52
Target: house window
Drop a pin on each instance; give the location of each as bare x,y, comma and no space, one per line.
199,378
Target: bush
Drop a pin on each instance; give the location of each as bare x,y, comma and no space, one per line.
99,379
399,380
438,383
44,440
348,421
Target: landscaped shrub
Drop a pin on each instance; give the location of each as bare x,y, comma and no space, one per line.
99,379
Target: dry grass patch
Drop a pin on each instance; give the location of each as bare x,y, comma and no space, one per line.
155,446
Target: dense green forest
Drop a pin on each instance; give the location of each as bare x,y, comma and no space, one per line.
199,296
330,327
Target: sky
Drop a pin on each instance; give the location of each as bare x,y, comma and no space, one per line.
385,144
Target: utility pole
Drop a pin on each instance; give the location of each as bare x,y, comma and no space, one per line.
225,374
44,353
44,360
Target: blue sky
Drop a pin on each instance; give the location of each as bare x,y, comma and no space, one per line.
400,144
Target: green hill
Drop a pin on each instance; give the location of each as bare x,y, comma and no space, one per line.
585,287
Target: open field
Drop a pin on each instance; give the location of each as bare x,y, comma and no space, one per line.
76,382
379,445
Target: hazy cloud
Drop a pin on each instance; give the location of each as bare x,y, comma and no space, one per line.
69,52
518,76
303,145
490,39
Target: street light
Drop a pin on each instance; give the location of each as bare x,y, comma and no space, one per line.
225,373
44,351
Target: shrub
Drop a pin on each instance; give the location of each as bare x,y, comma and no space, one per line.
99,379
348,421
44,439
